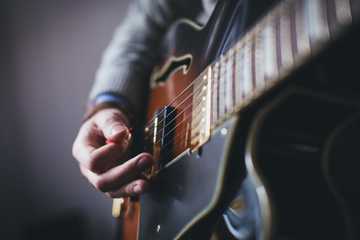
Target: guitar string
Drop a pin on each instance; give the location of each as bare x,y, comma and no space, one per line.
230,54
175,118
220,92
191,94
175,140
177,135
189,115
243,97
183,120
177,125
200,87
150,122
221,71
167,155
182,131
177,106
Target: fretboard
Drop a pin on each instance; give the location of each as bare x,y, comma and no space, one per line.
293,32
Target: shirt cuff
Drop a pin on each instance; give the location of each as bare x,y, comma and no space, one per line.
111,98
107,100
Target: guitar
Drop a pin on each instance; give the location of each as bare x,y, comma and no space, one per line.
248,120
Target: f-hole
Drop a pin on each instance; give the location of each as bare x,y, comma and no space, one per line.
173,65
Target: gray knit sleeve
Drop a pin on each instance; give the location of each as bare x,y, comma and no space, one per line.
128,61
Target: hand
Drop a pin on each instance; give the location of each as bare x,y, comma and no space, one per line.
101,146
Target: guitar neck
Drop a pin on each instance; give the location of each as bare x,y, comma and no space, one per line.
293,32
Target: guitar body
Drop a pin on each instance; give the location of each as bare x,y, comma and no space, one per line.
191,192
280,155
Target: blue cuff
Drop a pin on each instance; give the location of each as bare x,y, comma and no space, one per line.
115,100
109,97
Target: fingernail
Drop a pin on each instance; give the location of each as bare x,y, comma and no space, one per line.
127,139
144,162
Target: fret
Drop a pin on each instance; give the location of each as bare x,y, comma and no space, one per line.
239,64
270,50
222,86
278,44
285,36
302,34
247,70
208,102
258,51
215,94
229,79
317,21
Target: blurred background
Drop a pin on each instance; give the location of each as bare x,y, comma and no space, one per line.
49,52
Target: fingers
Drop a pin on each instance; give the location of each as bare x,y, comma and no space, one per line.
122,180
113,126
86,142
104,158
120,175
100,146
132,189
94,157
89,148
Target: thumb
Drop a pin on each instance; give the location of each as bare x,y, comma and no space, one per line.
113,125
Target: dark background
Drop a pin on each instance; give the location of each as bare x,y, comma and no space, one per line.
49,52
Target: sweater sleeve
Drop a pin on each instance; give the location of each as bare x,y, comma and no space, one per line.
128,60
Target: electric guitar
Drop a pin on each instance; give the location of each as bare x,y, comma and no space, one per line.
252,122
